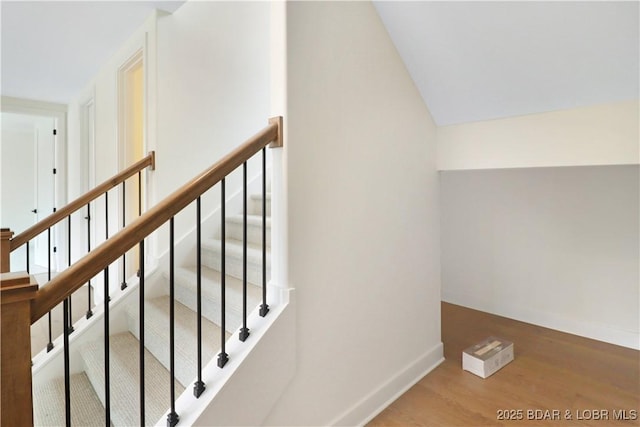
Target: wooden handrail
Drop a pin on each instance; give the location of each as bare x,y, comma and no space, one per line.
64,284
60,214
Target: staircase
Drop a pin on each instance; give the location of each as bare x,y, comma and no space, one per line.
88,387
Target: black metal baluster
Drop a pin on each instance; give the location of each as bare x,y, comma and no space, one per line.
198,387
141,332
223,357
28,269
71,329
88,218
140,254
123,285
106,216
244,331
139,193
50,344
264,308
172,418
106,229
67,380
107,387
141,274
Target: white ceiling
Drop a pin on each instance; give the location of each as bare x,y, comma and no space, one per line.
484,60
51,49
470,60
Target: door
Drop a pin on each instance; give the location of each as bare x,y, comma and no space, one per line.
132,147
27,189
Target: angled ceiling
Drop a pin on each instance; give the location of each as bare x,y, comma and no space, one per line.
470,60
51,49
476,61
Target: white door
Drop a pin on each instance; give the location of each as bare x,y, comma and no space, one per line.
45,187
27,180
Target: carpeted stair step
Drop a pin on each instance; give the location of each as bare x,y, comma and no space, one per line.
255,204
156,338
48,403
125,380
234,229
186,282
211,258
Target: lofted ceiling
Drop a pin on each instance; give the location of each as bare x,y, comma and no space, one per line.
51,49
476,61
470,60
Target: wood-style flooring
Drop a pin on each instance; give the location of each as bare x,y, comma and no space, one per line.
555,379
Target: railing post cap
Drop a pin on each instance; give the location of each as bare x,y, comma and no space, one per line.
280,138
17,286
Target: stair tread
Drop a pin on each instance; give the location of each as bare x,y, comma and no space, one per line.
186,293
157,336
125,379
252,220
258,196
48,403
233,247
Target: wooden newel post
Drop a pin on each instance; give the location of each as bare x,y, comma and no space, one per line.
5,249
17,290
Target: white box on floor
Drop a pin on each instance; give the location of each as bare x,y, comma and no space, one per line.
487,357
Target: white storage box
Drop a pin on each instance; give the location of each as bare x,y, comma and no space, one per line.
487,357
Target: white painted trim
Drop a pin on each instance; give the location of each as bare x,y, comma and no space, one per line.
133,61
593,330
28,106
137,59
258,371
375,402
88,144
58,112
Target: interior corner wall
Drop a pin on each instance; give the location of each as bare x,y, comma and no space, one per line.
605,134
540,219
363,233
556,247
213,93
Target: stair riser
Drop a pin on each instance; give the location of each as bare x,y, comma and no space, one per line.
97,381
124,388
186,340
185,371
211,307
255,206
233,265
254,232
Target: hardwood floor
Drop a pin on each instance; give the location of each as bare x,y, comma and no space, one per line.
588,381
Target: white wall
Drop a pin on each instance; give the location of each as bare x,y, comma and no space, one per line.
103,91
213,93
362,218
604,134
528,235
556,247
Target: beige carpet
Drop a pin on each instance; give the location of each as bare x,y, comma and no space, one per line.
48,403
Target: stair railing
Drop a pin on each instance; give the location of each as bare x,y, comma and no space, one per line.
38,303
11,244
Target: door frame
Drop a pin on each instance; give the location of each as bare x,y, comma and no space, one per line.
87,110
137,59
58,112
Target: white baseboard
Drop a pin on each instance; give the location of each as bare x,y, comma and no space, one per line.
375,402
593,330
